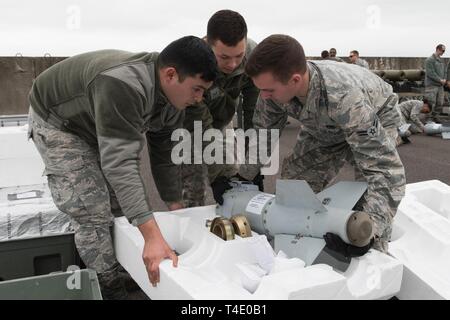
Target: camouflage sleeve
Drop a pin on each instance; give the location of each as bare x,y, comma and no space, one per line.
119,124
366,65
166,174
375,155
415,112
448,71
250,96
431,71
268,115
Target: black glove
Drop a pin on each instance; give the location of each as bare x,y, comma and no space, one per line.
335,243
219,186
259,181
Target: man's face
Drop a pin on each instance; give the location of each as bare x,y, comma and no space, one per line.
332,53
187,92
353,57
271,88
229,58
440,52
425,108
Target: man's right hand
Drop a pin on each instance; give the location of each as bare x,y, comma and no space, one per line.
155,250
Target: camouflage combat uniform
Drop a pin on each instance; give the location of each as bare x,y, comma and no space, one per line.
88,117
410,111
217,111
336,59
362,63
448,73
447,89
349,113
434,89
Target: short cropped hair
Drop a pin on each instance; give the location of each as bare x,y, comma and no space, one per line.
279,54
190,56
227,26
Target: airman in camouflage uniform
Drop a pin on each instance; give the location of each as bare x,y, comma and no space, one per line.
448,75
346,113
435,80
227,34
333,56
355,59
88,117
410,111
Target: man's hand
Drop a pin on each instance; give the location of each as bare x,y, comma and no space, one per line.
175,206
335,243
259,181
444,82
219,186
155,250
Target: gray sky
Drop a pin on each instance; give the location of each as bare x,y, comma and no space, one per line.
374,27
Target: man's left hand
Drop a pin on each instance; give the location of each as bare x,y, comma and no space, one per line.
175,206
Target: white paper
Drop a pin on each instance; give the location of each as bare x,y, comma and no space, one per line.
258,202
25,195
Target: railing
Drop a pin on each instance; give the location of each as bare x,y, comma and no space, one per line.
13,120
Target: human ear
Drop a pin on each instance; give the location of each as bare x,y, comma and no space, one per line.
170,73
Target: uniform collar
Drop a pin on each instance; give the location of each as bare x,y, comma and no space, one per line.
160,97
436,56
314,88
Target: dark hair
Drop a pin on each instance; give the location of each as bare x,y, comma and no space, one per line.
227,26
325,54
333,49
425,101
190,56
440,47
280,54
355,52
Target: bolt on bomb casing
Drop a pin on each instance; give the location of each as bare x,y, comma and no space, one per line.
295,209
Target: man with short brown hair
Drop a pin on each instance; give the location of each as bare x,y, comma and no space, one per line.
435,80
346,113
355,59
227,36
333,56
87,119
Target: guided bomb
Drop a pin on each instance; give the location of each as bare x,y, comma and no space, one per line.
296,210
432,128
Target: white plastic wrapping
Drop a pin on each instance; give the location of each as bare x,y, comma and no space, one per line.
29,211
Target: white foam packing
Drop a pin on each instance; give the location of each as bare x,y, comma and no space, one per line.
211,268
20,162
421,241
